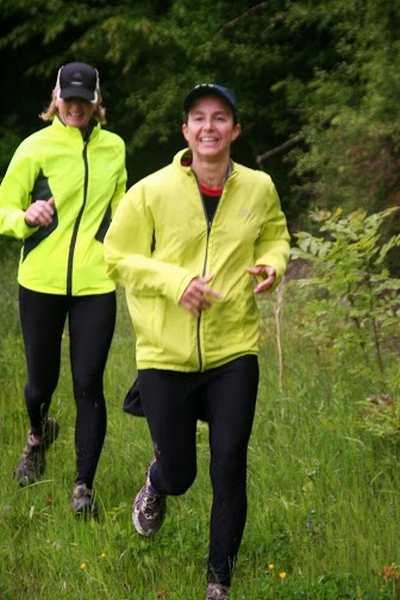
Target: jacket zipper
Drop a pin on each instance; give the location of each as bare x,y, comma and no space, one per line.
199,317
209,225
70,265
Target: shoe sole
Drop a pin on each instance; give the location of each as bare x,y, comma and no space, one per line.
136,522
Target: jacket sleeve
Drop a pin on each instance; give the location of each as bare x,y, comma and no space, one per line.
273,245
15,193
128,251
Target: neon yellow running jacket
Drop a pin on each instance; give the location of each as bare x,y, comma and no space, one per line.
160,240
87,180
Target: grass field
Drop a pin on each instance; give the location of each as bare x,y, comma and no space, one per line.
324,515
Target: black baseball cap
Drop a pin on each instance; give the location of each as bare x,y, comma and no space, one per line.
204,89
78,80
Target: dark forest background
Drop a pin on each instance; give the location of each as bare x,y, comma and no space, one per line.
317,82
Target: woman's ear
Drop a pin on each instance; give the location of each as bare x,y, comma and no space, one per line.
184,131
237,130
55,97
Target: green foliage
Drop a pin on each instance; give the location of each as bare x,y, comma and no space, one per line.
319,79
351,301
350,118
380,415
9,140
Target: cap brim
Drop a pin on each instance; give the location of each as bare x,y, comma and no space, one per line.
195,94
73,92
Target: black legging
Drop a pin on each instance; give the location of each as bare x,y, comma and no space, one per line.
226,397
91,327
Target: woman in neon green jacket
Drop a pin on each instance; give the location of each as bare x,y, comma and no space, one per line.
186,243
58,195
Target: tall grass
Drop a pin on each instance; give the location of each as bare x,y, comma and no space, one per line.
323,520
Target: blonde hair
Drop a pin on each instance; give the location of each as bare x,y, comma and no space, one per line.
51,111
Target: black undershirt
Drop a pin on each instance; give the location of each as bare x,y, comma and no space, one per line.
210,200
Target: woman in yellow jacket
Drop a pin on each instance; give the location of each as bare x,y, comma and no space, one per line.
186,243
58,195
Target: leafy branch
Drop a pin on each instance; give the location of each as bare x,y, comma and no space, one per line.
353,300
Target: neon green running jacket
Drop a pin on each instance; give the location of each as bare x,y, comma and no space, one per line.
87,180
160,240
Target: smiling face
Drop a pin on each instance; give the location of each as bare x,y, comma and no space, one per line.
210,129
75,112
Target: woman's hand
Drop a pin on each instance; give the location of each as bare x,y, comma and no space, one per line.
267,273
198,296
40,213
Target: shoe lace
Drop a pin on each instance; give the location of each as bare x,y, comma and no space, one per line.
151,503
31,452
